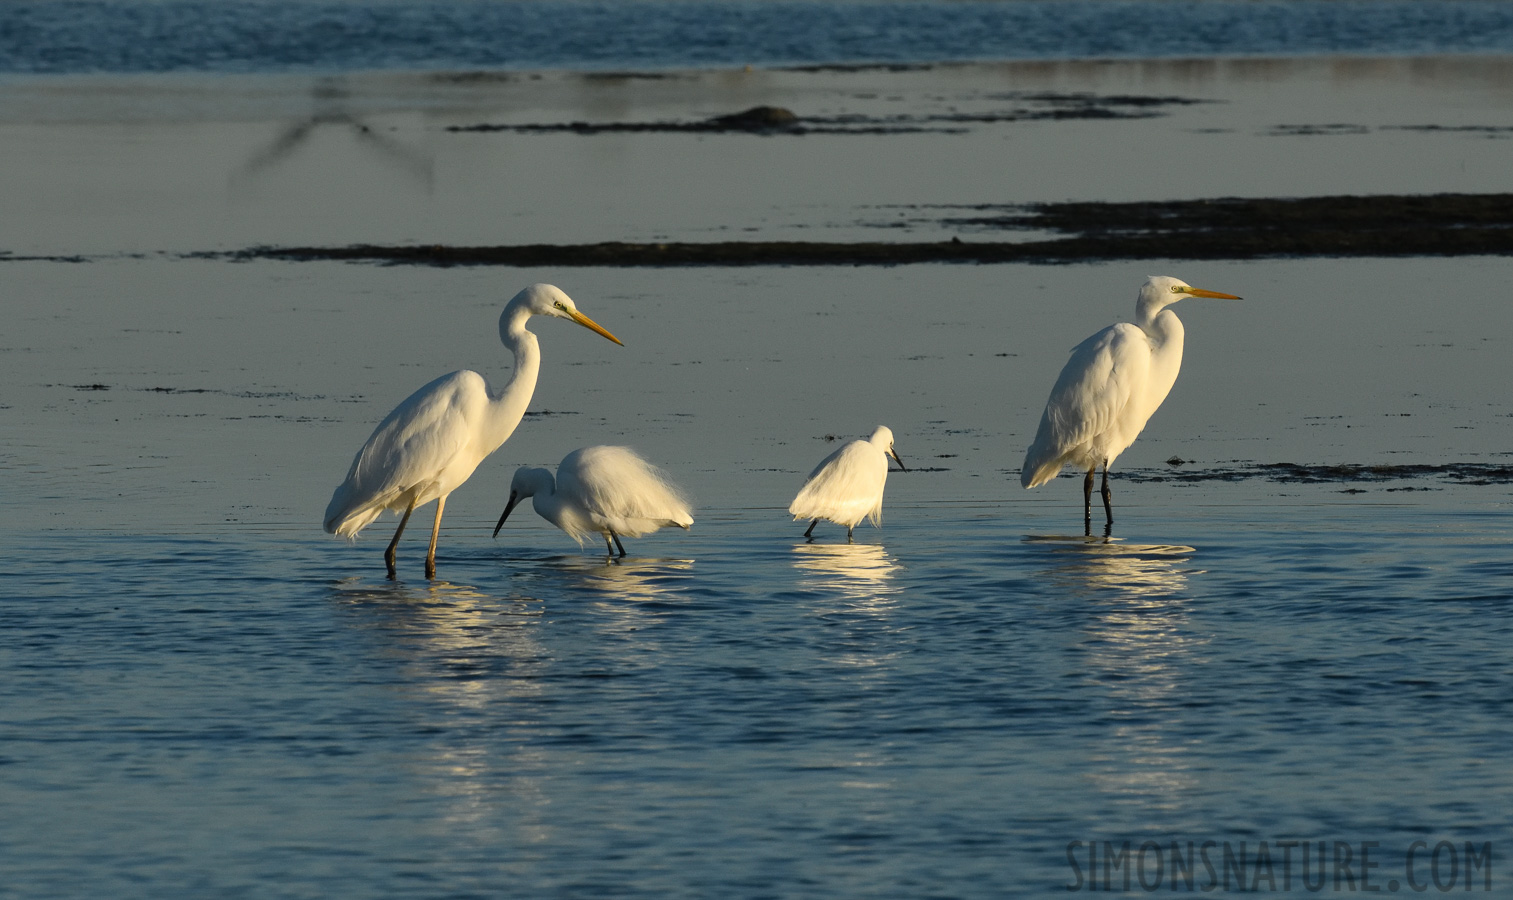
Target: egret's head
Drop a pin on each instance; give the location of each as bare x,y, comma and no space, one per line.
882,439
550,300
1174,289
1163,290
526,483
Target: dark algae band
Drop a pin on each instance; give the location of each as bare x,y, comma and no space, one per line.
1227,228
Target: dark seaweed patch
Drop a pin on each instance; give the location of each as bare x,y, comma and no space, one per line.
1029,107
1225,228
1348,473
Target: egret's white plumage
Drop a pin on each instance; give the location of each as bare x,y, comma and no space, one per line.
432,442
1109,388
847,485
601,490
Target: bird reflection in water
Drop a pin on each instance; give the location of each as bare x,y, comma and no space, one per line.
858,571
628,578
857,592
1108,563
1138,649
471,671
453,635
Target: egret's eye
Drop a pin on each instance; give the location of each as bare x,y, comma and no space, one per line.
1177,289
559,305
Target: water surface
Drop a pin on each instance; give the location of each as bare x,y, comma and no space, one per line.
127,36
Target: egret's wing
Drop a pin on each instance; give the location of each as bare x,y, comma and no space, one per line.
1094,386
414,443
846,486
617,486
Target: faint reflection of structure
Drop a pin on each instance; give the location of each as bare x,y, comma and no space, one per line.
1138,647
857,571
330,97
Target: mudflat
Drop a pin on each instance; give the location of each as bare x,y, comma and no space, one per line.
998,157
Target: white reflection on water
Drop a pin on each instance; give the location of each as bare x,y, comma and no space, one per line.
628,578
467,656
628,598
858,598
1137,641
1100,564
860,572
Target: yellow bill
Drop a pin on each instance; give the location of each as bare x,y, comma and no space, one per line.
1199,292
591,325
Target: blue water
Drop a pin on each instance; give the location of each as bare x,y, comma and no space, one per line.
938,710
133,36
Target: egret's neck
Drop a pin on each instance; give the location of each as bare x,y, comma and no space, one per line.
1166,336
1158,321
508,407
547,505
544,500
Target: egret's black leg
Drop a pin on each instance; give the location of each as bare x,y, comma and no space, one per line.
608,547
390,553
1108,496
809,533
618,544
1087,502
849,529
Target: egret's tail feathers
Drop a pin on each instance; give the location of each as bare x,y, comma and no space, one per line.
1035,474
346,515
1044,458
347,525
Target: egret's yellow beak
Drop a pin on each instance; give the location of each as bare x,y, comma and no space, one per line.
1199,292
591,325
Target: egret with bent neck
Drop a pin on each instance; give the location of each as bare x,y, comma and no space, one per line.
431,443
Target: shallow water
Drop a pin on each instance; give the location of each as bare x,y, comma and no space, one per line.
122,36
937,709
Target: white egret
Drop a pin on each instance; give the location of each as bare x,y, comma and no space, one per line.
1108,390
601,490
432,442
847,485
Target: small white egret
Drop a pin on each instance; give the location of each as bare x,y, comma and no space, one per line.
1108,390
847,485
601,490
432,442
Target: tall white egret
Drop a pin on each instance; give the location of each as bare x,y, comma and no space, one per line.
847,485
601,490
1108,390
432,442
